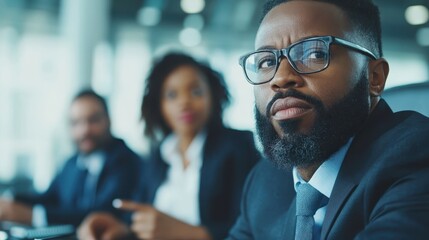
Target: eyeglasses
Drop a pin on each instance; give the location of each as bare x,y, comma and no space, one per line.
308,56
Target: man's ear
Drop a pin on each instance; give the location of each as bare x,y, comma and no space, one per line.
377,75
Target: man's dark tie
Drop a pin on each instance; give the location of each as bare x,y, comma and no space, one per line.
308,200
89,189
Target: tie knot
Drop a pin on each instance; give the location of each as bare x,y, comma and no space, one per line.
308,200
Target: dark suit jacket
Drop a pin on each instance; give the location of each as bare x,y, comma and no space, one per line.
381,192
118,179
228,157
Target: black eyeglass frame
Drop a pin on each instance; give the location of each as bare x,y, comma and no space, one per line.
328,40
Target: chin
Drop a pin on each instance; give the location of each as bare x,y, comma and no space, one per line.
86,150
298,144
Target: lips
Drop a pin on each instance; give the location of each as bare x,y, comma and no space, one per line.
87,144
86,140
289,108
187,117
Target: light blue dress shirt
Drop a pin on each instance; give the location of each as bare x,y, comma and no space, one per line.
323,180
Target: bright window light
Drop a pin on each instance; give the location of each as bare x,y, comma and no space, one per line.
413,63
149,16
194,21
417,15
192,6
190,37
423,37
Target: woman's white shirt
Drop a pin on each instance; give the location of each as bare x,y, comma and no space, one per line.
178,195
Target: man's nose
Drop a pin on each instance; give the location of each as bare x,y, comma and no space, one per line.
286,77
82,127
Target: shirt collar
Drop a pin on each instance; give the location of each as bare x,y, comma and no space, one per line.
324,178
92,162
169,149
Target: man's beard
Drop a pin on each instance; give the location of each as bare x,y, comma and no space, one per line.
332,128
98,142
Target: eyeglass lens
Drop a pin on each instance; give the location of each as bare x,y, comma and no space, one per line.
305,57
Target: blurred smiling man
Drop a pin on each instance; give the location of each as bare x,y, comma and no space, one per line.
90,124
102,169
340,164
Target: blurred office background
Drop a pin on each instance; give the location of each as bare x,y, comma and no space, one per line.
50,49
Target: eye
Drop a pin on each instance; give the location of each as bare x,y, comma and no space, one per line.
95,118
197,92
170,95
266,62
314,51
315,54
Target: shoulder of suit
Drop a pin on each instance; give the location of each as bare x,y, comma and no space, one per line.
266,177
265,166
412,125
121,145
413,118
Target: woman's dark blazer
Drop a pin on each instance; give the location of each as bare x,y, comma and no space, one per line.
228,156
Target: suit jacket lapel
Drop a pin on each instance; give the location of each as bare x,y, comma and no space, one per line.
77,183
156,171
289,230
339,195
350,172
347,180
210,160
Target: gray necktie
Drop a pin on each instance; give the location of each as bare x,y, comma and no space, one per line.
308,200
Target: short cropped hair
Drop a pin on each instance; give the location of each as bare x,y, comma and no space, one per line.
89,93
364,17
151,104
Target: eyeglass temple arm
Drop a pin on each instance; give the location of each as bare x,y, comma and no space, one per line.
356,47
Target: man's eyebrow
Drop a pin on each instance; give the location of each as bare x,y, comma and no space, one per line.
266,47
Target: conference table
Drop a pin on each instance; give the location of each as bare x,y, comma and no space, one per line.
16,231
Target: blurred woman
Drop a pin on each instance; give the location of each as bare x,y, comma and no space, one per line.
194,179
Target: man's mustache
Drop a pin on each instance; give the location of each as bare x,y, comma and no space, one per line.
295,94
86,138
